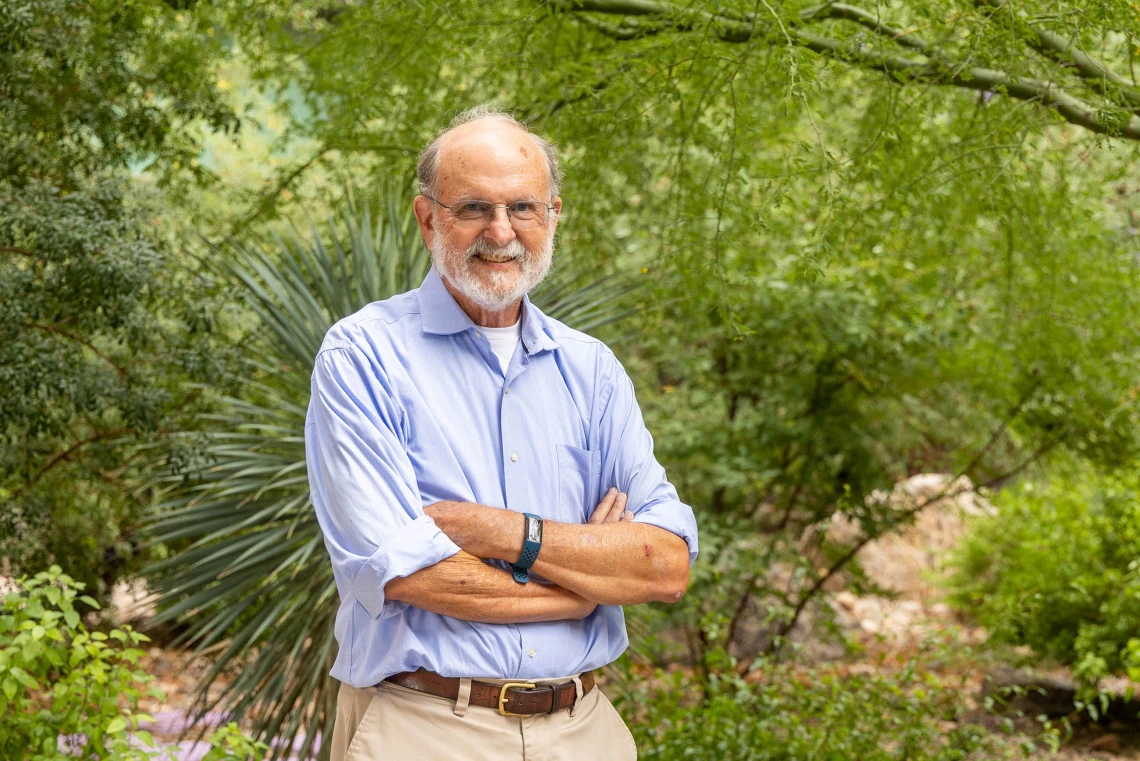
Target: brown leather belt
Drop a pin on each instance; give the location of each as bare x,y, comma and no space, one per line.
511,699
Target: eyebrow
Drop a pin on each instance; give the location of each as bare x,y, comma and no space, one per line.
463,198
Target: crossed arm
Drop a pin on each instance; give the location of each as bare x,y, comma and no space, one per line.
610,560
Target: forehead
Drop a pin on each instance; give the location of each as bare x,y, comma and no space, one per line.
492,160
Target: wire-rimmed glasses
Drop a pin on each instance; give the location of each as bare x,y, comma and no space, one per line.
524,214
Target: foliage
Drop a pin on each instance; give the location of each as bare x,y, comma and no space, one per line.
849,278
85,86
99,327
784,711
65,690
870,249
1058,569
855,277
229,743
98,330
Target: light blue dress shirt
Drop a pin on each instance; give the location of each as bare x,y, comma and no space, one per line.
409,407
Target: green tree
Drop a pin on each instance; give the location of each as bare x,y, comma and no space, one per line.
97,323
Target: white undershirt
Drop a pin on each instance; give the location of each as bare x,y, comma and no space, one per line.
503,342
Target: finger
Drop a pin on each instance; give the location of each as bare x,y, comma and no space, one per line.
627,516
604,507
618,509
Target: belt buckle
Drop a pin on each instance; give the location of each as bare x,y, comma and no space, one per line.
503,697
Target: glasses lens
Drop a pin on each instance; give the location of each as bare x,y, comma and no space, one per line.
527,212
473,211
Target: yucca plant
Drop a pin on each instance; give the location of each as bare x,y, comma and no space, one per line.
250,585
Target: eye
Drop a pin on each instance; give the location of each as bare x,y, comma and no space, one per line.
472,207
524,206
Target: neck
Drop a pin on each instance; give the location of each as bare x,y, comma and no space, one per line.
503,318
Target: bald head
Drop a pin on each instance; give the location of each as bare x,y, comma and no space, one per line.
486,136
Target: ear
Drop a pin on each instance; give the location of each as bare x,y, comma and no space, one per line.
557,204
424,209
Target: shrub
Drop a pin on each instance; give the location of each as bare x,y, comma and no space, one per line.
66,691
1058,569
805,713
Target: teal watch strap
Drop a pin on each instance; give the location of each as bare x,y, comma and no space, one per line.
532,543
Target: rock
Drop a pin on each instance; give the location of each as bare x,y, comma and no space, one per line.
902,562
846,600
132,601
1109,743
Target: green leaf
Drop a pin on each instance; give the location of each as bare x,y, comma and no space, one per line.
23,677
117,724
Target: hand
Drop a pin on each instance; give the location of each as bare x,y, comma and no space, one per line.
612,508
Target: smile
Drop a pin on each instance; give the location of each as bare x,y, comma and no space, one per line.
497,258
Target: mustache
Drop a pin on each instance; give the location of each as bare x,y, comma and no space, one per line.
513,249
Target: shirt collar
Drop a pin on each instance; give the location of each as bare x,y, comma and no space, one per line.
442,316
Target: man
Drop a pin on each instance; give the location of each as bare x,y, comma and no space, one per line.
486,486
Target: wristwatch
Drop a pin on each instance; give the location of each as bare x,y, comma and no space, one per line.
532,543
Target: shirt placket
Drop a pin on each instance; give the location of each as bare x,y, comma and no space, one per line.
483,345
517,461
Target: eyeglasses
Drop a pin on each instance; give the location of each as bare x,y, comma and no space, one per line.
524,215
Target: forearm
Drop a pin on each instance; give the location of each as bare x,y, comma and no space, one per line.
615,563
463,586
610,563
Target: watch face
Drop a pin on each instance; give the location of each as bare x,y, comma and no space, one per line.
533,530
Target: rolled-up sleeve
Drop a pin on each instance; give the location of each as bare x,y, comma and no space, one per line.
628,457
362,484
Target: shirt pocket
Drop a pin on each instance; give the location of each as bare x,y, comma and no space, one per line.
578,472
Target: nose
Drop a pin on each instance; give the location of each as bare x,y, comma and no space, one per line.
500,231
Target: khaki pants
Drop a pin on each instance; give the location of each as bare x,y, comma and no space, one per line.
393,723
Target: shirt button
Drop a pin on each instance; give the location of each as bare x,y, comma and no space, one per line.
532,652
514,457
478,334
507,390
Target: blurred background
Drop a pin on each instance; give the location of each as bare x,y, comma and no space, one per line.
872,268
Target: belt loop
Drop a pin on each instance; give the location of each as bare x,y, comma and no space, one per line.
464,698
577,695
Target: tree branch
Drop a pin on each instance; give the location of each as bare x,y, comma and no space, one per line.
269,199
1102,79
952,492
1001,427
1047,94
54,330
1058,48
67,453
867,20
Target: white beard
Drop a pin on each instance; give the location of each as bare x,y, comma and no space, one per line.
491,291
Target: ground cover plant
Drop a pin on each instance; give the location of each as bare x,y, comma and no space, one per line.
784,710
67,691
